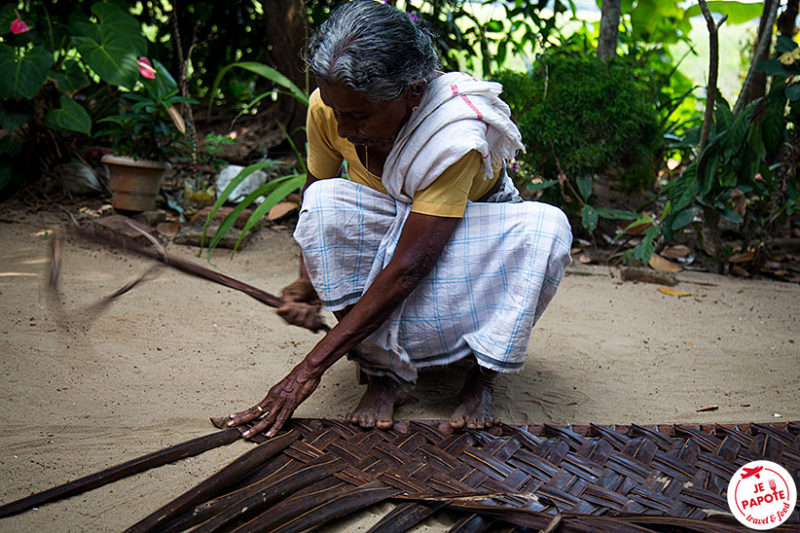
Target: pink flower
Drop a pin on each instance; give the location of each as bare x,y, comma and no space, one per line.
145,68
19,26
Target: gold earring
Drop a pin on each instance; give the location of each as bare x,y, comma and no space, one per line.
415,108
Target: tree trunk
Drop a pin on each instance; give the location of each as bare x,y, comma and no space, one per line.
286,32
758,88
609,29
763,43
786,22
713,71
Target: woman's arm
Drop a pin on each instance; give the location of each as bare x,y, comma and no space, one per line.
421,243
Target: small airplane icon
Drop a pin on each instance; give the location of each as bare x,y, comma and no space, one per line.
752,472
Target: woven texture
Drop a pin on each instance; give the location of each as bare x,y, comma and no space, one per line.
575,478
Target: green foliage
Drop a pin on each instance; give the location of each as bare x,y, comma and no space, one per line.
214,145
264,71
738,12
582,116
111,45
734,178
786,66
470,39
66,69
150,127
273,191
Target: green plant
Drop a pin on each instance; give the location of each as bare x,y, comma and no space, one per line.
215,144
579,117
150,125
732,181
273,191
59,75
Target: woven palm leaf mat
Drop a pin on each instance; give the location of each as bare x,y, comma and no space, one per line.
510,478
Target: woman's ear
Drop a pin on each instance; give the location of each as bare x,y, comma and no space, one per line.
415,92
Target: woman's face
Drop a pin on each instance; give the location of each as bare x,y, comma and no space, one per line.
361,121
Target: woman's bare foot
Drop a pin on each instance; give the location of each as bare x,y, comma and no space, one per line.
476,410
376,408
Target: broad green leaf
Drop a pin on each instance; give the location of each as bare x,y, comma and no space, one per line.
72,79
641,221
584,184
646,248
684,218
589,218
70,117
793,91
685,188
616,214
24,75
738,12
784,44
112,18
707,169
732,216
655,20
736,136
111,47
111,58
773,122
774,67
160,87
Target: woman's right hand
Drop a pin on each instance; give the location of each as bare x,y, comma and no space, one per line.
301,305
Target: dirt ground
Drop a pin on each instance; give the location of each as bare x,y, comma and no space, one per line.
83,390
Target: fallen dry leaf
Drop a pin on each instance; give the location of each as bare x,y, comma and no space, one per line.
739,202
673,292
168,229
742,257
679,251
664,265
585,259
281,210
739,271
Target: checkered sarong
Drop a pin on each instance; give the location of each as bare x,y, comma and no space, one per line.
491,284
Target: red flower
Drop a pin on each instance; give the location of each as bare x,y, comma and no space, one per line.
19,26
145,68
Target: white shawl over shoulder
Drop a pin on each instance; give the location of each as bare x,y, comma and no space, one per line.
457,114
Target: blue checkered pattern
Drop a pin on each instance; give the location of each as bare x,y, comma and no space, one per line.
491,284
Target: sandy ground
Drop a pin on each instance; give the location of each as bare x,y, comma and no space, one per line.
149,371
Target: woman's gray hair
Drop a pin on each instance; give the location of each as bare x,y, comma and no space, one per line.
373,48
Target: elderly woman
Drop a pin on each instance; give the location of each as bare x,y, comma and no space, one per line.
427,254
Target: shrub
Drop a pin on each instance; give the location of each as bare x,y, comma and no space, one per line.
589,116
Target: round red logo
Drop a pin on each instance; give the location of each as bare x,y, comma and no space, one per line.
762,495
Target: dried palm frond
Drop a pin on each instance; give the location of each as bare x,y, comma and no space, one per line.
552,478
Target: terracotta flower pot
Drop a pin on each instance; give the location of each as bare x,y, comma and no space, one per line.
134,182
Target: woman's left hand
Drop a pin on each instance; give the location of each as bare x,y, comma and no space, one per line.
280,402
